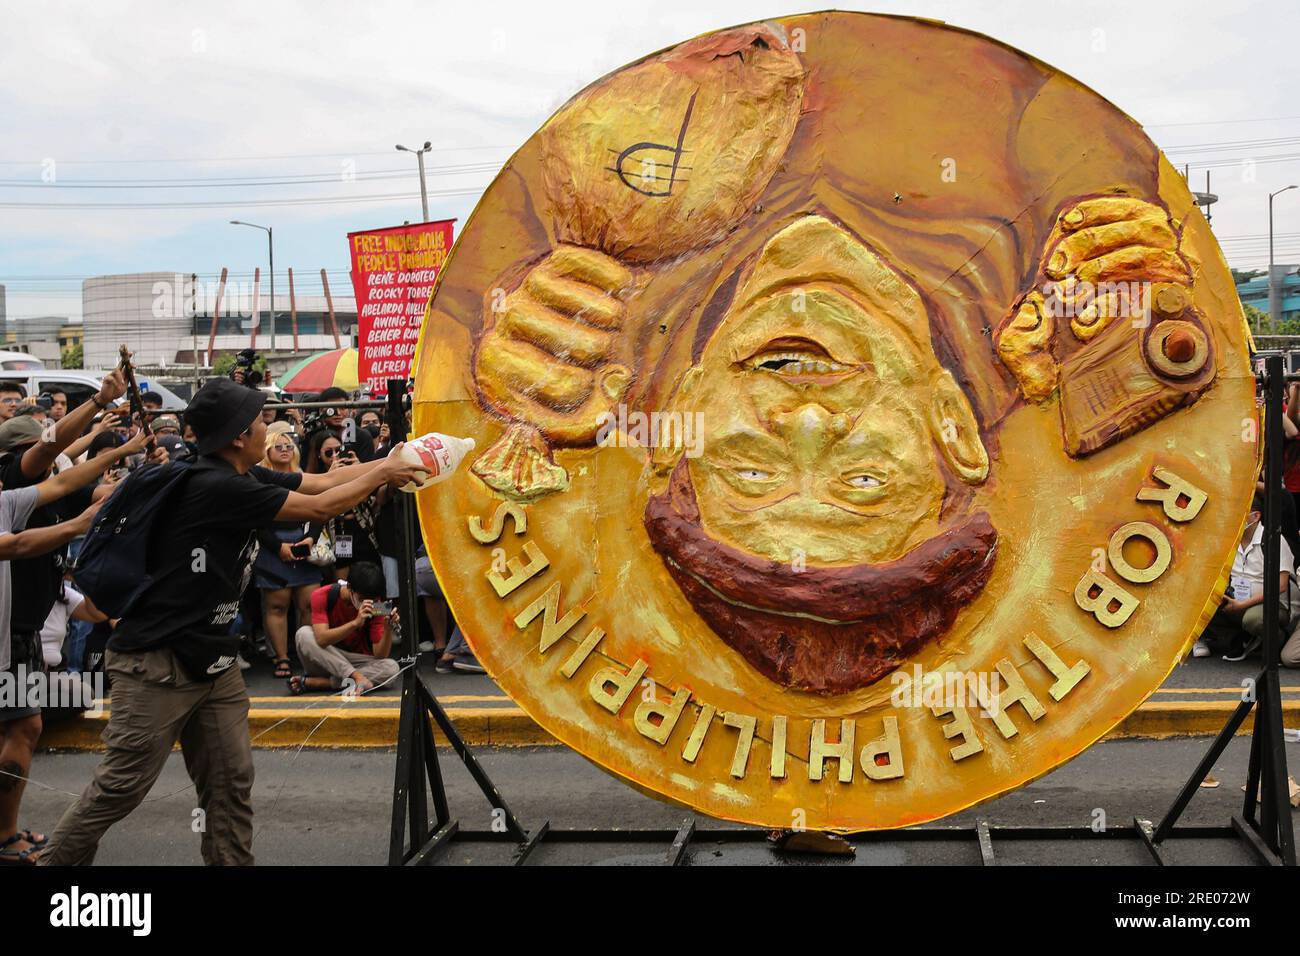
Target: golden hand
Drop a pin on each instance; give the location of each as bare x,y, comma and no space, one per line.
1105,257
551,356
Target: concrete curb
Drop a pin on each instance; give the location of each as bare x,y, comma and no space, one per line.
355,726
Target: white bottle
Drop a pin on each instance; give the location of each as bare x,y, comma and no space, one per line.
439,454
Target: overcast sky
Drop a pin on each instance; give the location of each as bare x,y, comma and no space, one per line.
308,100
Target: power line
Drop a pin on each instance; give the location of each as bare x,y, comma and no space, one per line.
217,204
1234,144
1257,119
289,180
235,159
1242,161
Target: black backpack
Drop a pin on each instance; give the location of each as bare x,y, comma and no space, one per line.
112,566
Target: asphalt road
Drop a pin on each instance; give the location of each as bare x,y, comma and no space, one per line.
332,807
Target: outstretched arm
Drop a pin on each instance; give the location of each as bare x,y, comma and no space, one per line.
313,484
36,541
78,476
363,479
38,459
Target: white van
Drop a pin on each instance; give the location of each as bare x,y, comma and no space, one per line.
78,384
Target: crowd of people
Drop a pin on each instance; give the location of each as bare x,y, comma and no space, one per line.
298,504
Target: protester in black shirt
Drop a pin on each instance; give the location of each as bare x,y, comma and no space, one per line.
172,657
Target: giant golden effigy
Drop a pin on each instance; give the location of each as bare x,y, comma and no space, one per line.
864,421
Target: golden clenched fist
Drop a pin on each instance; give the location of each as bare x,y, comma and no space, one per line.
1106,258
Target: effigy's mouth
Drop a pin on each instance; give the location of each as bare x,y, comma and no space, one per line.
799,359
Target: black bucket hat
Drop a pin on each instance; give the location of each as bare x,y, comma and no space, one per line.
221,411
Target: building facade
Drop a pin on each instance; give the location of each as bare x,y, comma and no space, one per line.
1255,292
168,318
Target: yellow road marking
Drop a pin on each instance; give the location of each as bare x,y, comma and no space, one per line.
1215,690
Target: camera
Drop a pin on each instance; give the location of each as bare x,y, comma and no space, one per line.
312,422
45,400
244,361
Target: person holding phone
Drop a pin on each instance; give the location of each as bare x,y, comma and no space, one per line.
322,449
281,571
351,632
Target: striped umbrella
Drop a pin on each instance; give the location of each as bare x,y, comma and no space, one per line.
337,367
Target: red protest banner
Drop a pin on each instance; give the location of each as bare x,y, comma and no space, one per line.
393,271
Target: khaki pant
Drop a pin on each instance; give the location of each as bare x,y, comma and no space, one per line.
154,704
1291,650
1226,630
337,664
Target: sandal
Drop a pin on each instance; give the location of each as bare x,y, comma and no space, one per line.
30,836
10,857
283,669
297,684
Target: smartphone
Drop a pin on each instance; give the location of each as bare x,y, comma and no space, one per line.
383,607
300,550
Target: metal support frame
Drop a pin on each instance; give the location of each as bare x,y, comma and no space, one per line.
677,852
1264,826
413,837
674,846
986,843
1268,835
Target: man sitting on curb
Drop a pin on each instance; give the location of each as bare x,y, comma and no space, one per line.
349,638
1237,627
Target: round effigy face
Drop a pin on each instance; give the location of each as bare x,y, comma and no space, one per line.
864,421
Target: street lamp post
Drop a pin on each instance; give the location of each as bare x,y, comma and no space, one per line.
419,156
1272,285
270,245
